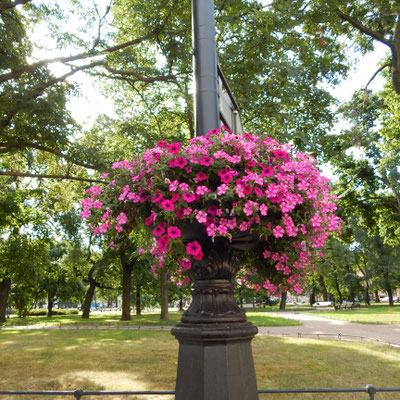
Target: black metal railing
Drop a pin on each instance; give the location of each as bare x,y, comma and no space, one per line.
369,390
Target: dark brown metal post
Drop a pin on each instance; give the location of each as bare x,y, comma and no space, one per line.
205,67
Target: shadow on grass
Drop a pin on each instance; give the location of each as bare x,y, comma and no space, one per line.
147,360
95,319
259,317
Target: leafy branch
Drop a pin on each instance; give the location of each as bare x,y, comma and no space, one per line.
15,74
393,44
45,176
12,4
8,146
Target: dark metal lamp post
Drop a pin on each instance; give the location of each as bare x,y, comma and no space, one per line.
215,359
205,67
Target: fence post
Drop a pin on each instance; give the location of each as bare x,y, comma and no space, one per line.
371,389
78,393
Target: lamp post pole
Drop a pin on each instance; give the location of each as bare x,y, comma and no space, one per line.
205,67
215,361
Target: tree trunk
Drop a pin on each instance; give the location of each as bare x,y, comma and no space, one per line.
377,299
388,288
312,296
138,300
323,288
88,299
181,302
338,290
19,305
164,295
366,294
126,291
282,304
5,286
50,303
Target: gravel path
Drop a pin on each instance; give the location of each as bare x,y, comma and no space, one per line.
326,328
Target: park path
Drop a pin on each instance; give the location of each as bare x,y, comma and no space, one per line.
313,327
329,328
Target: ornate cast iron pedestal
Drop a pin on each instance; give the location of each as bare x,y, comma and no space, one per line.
215,359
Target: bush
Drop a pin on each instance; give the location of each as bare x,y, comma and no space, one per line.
38,312
42,311
61,311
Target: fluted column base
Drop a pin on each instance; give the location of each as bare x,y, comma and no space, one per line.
215,362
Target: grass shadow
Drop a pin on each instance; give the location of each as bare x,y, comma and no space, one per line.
147,360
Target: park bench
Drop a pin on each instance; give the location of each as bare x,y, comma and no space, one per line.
322,304
348,305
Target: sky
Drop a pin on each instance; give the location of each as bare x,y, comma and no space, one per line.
361,74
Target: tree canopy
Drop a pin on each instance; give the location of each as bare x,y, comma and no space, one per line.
281,59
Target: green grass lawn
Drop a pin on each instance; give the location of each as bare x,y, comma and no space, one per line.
268,319
147,319
146,360
376,314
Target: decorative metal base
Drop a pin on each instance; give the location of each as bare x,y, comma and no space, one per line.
215,359
213,302
215,362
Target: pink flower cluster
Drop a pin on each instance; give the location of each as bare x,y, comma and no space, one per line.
226,183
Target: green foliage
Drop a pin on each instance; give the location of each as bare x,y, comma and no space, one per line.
280,58
366,161
41,312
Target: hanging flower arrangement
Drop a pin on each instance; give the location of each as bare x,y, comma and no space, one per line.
223,185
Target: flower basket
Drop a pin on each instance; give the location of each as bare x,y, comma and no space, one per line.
272,209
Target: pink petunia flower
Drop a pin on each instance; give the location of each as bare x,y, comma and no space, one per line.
174,232
193,248
222,189
263,209
180,162
168,205
201,217
201,176
188,197
162,143
159,230
122,218
200,190
85,213
206,161
174,148
278,231
183,186
173,186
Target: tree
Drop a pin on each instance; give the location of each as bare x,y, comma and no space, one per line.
366,160
362,23
24,238
57,281
23,259
34,119
338,272
273,64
